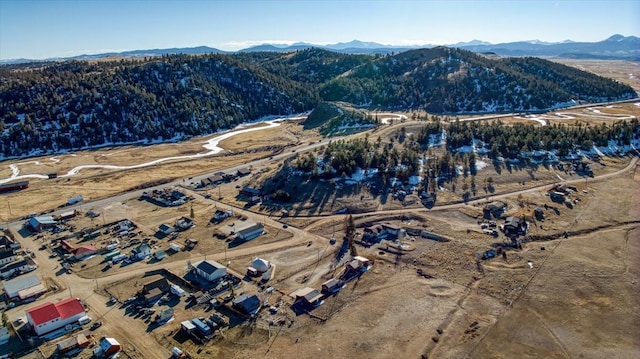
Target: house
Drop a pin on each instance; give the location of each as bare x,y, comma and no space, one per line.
244,172
250,191
390,231
159,255
514,225
308,296
7,256
141,252
40,223
183,223
166,229
77,341
84,252
372,234
220,215
248,305
250,232
565,189
494,209
17,267
48,316
24,288
357,265
162,284
333,285
153,295
209,270
216,179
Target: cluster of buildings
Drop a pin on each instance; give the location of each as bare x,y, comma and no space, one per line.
311,297
13,260
222,177
166,197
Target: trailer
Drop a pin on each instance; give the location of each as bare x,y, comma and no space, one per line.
90,236
110,255
74,200
119,258
175,289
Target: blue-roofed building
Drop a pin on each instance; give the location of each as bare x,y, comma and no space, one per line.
40,223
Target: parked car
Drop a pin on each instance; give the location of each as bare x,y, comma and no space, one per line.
95,325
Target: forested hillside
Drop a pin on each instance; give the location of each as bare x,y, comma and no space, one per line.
78,104
444,80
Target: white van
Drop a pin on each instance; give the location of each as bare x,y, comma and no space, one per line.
84,320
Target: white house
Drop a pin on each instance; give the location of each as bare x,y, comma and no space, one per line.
210,270
250,232
48,316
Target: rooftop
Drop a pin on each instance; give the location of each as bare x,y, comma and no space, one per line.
21,283
63,309
209,266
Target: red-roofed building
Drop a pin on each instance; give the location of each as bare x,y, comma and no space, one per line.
85,251
48,317
67,246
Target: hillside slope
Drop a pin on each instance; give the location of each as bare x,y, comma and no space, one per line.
78,104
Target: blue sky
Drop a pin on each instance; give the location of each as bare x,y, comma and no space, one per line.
54,28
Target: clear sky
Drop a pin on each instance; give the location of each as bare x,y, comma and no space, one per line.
39,29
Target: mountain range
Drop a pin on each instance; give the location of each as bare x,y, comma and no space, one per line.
616,47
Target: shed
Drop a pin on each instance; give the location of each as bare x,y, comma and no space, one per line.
107,346
77,341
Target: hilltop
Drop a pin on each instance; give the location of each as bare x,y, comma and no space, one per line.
73,105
